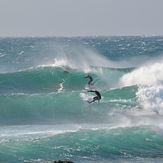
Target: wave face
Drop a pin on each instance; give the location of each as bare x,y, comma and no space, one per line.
44,113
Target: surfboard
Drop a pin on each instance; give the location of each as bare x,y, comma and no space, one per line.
87,88
92,86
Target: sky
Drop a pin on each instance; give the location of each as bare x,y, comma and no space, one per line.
81,18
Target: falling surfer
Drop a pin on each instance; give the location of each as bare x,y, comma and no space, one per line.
90,80
98,97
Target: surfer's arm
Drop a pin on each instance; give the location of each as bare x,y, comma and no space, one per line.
90,91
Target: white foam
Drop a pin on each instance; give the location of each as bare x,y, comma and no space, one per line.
151,98
61,88
61,62
32,133
146,75
150,81
85,97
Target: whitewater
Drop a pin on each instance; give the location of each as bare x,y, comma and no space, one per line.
44,113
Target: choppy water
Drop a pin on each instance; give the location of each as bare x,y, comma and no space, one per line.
44,114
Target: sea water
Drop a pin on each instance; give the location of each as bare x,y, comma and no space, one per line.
44,113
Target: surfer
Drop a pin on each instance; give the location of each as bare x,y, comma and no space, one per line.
90,80
98,97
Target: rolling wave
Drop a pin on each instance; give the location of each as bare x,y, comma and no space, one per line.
57,95
63,107
142,144
49,79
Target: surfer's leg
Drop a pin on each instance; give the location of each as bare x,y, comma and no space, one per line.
91,101
90,82
94,99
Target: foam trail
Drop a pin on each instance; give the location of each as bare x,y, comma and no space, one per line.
61,87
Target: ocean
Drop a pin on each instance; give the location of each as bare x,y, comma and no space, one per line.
44,110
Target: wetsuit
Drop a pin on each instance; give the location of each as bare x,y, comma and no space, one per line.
91,79
98,97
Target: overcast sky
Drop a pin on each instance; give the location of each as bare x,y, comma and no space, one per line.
81,17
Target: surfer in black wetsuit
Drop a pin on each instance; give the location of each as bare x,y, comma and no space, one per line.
98,97
90,80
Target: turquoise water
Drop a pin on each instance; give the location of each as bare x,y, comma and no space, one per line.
44,113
